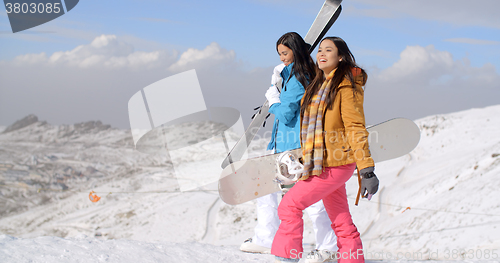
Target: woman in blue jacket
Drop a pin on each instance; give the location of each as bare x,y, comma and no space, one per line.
293,75
284,106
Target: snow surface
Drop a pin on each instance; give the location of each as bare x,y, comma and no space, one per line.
439,202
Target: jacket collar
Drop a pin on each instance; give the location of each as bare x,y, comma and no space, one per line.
285,73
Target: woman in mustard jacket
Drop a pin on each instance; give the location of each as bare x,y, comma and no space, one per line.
334,141
294,75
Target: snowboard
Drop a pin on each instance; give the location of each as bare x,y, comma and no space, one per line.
246,180
328,14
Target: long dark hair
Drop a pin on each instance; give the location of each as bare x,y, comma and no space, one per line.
303,65
347,68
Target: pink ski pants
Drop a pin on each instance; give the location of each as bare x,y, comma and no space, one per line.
329,186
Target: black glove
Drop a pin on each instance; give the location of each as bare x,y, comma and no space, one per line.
369,182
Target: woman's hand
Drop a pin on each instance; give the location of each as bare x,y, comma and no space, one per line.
276,78
273,95
369,182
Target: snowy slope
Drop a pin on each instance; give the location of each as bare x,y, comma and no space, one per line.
449,183
85,249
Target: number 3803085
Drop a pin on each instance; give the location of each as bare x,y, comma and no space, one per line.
33,8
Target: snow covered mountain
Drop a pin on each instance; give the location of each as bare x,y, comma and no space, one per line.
438,202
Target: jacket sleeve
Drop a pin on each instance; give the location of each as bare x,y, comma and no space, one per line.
351,108
290,98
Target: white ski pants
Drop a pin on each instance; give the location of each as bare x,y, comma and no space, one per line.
268,223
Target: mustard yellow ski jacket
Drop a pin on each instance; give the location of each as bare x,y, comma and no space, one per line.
345,135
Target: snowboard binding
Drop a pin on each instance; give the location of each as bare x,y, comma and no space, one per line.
289,169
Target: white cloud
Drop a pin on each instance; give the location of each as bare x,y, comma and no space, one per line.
105,51
31,59
418,62
427,66
109,52
135,59
212,54
426,81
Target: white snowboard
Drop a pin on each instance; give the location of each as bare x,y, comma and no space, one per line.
246,180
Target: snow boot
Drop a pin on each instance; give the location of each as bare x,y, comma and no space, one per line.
249,246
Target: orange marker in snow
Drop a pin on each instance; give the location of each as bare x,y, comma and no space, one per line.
93,198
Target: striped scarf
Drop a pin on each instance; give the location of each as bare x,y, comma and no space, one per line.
311,132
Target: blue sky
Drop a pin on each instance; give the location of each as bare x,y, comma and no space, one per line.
422,57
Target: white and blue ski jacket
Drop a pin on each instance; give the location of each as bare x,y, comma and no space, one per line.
286,128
